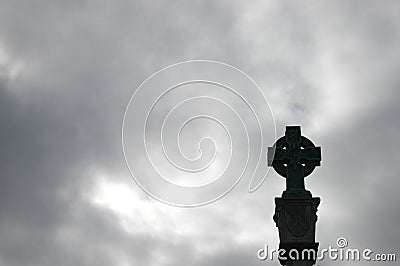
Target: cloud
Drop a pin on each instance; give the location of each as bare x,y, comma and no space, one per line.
67,70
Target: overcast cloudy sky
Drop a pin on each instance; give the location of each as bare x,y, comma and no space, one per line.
68,69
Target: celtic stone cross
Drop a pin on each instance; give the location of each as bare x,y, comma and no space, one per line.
294,157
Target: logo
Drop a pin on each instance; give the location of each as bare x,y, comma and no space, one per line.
193,130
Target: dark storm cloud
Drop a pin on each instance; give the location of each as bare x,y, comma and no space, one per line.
62,115
331,67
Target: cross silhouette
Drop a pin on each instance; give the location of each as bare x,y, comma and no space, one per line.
294,156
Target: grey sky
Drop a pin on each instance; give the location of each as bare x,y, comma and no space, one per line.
68,69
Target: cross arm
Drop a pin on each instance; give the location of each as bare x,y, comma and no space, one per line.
276,155
311,155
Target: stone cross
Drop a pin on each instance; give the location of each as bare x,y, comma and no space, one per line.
294,157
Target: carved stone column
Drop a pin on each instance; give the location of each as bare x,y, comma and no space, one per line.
294,157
